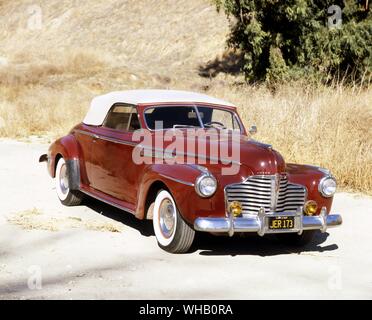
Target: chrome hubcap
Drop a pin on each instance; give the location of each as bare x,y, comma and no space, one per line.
63,179
167,218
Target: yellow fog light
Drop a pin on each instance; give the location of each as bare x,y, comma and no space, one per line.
235,208
310,207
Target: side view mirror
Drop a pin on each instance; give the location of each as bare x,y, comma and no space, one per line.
252,130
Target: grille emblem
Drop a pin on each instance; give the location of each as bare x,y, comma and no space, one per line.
275,187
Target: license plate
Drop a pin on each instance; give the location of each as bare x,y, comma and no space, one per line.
279,223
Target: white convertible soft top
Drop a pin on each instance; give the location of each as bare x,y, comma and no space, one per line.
101,105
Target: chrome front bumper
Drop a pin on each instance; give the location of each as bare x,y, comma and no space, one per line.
259,223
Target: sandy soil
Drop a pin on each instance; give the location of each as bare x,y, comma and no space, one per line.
48,251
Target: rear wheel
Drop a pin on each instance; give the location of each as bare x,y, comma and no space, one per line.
66,196
172,232
297,240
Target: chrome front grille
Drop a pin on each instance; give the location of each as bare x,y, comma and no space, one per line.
272,192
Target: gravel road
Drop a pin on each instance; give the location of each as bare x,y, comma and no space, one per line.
94,251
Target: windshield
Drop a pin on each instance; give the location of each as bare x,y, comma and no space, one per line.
168,117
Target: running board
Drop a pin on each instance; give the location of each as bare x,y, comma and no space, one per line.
105,198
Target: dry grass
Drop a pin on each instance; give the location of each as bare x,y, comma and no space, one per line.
48,76
34,219
36,95
329,127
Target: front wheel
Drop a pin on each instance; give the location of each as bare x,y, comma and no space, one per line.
172,232
66,196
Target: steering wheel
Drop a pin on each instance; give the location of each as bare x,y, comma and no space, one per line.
209,124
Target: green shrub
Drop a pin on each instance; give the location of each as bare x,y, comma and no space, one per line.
283,40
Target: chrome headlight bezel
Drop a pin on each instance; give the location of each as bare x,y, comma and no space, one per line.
322,186
198,185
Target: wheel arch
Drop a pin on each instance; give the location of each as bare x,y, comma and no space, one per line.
57,157
66,147
177,180
152,192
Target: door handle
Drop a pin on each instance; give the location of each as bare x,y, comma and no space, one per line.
95,137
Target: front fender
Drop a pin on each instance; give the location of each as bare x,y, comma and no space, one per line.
67,147
179,180
310,176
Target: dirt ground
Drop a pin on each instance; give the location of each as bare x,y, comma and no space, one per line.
94,251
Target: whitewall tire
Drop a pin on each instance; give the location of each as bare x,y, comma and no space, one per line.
172,232
65,195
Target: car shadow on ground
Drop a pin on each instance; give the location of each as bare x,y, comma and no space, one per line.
210,245
126,218
252,244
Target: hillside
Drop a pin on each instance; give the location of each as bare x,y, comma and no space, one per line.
168,38
57,55
65,52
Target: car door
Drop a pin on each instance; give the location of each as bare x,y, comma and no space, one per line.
115,171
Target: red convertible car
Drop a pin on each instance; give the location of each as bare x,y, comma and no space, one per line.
186,161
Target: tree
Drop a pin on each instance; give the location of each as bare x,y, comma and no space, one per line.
283,40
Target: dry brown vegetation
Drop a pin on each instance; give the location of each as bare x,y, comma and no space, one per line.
48,76
34,219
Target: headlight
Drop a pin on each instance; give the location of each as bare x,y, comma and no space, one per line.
327,186
206,185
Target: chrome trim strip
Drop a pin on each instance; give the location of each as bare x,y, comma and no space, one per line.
102,137
261,144
177,180
113,140
198,167
251,192
83,132
324,170
107,201
247,187
264,196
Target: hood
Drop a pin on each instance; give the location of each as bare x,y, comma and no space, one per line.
256,157
260,158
